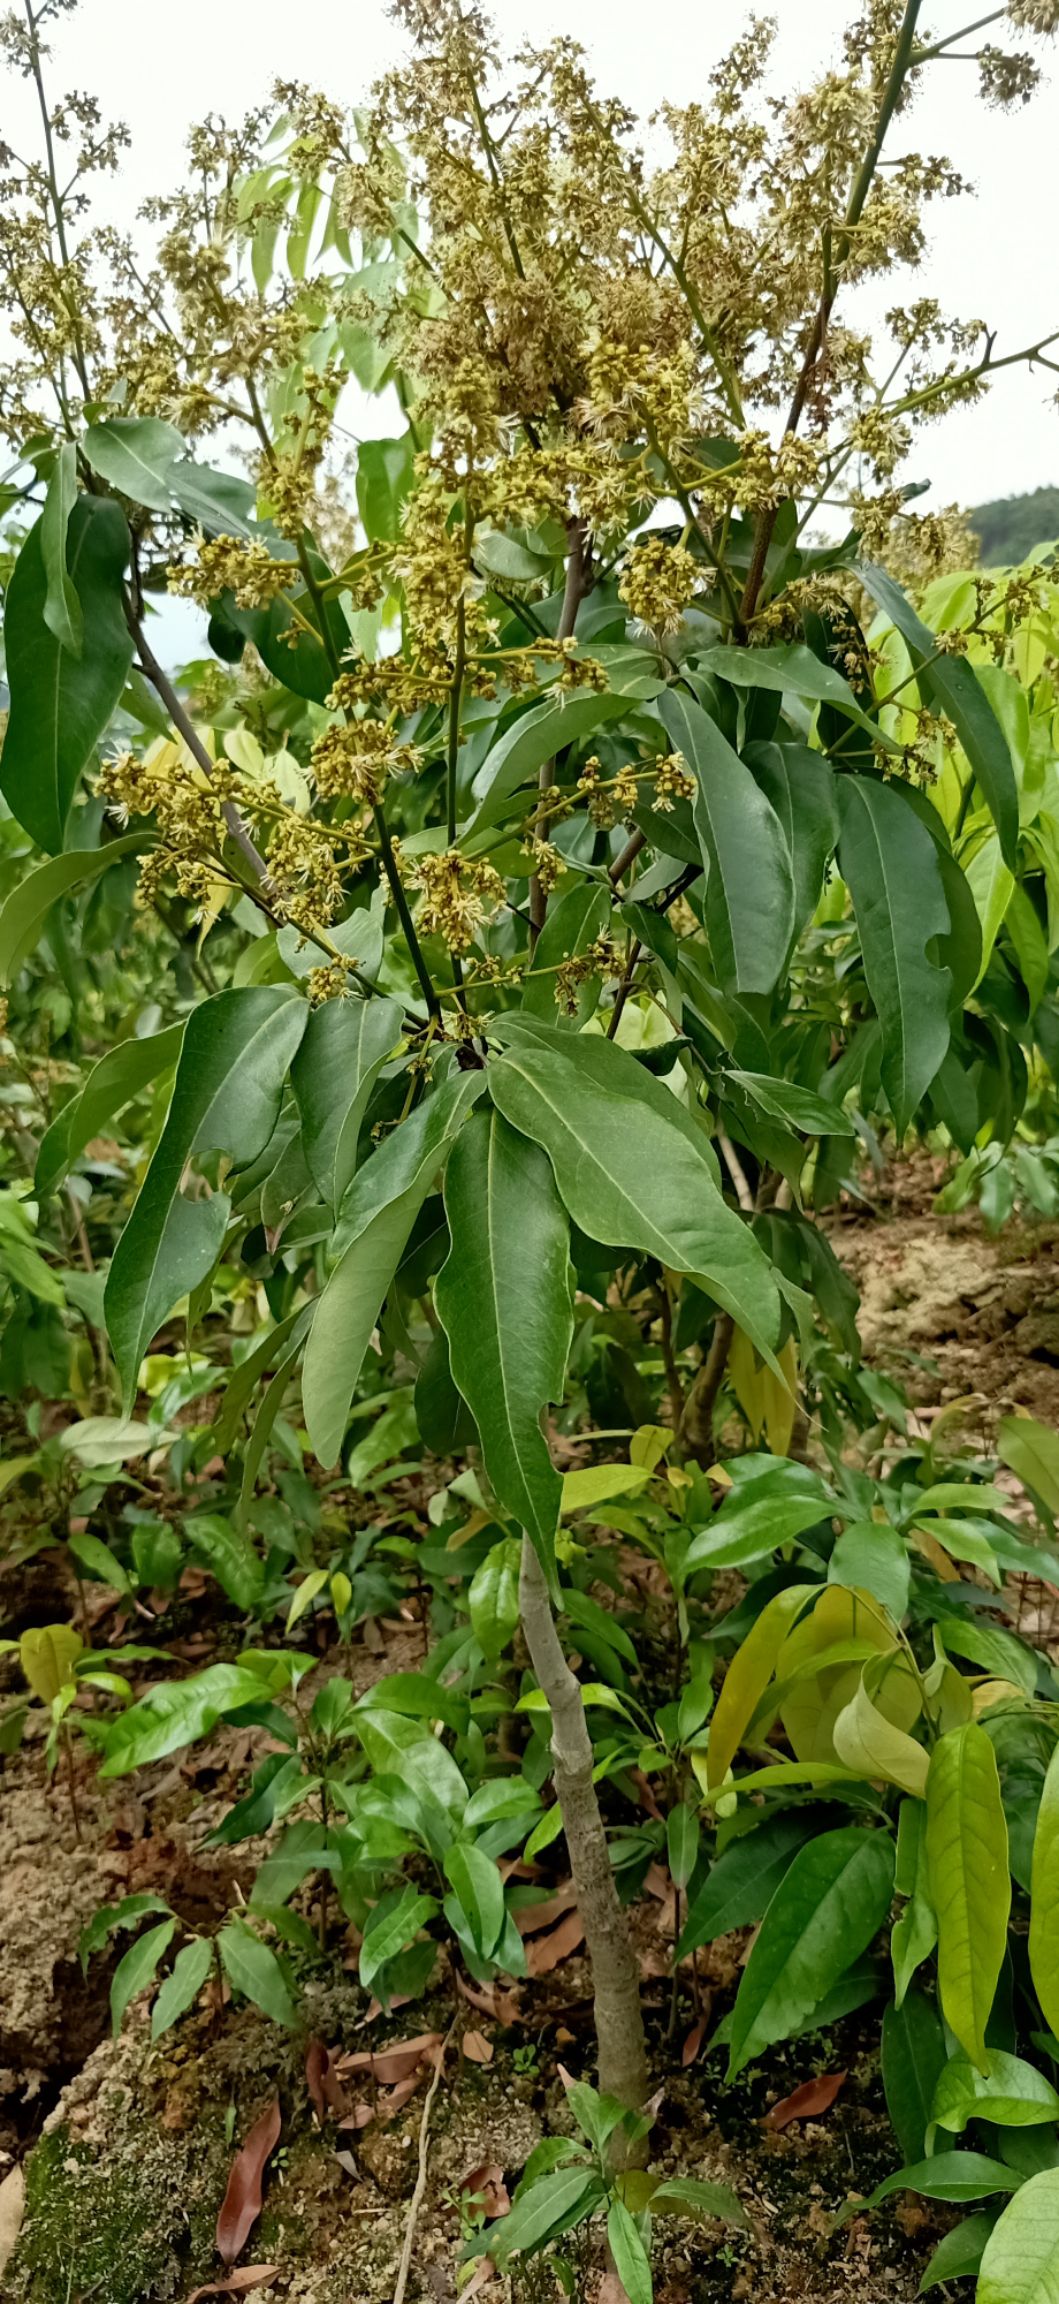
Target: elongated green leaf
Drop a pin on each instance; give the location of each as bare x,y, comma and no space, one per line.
62,608
1009,2092
345,1046
801,786
748,1676
136,454
913,2060
750,875
137,1967
236,1053
951,685
741,1882
476,1881
790,670
825,1912
631,2260
756,1521
25,914
182,1985
1020,2260
871,1557
61,703
1044,1897
560,2199
395,1922
890,864
947,2176
255,1972
793,1106
967,1856
112,1083
535,737
492,1598
504,1299
867,1742
112,1916
377,1217
1031,1449
174,1714
959,2254
573,923
631,1167
695,2197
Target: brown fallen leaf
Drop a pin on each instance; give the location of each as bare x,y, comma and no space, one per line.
241,2205
237,2283
694,2041
486,2185
531,1918
544,1953
493,2001
391,2063
808,2102
394,2100
361,2116
323,2083
481,2279
477,2049
12,2210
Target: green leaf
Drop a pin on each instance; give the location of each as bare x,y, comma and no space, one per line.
47,1654
793,1106
890,864
99,1560
950,685
135,1970
866,1741
631,2260
682,1843
547,728
255,1972
801,787
1020,2261
62,608
229,1555
1009,2091
871,1557
61,704
1044,1898
959,2254
395,1922
377,1216
385,473
235,1056
693,2196
24,916
947,2176
788,670
504,1299
760,1517
111,1916
967,1856
825,1912
631,1166
136,454
748,1675
492,1598
182,1985
750,876
1031,1451
913,2059
478,1885
111,1084
558,2200
573,923
174,1714
742,1881
345,1045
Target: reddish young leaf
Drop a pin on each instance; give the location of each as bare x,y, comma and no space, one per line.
241,2205
544,1953
486,2185
808,2102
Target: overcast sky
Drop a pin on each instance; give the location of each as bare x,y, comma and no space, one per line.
162,66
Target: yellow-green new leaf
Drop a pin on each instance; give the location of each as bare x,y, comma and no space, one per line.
748,1676
1020,2263
866,1741
970,1886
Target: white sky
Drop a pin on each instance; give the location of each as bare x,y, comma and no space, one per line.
161,64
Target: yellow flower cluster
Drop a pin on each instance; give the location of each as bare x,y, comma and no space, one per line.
657,582
229,564
457,891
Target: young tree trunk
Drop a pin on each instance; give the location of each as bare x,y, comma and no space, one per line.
615,1969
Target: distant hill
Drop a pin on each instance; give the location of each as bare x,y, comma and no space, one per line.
1011,529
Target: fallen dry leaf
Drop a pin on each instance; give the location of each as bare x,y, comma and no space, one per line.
486,2185
237,2283
395,2099
494,2001
531,1918
481,2279
12,2210
241,2205
694,2041
477,2049
808,2102
361,2116
544,1953
322,2081
391,2063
